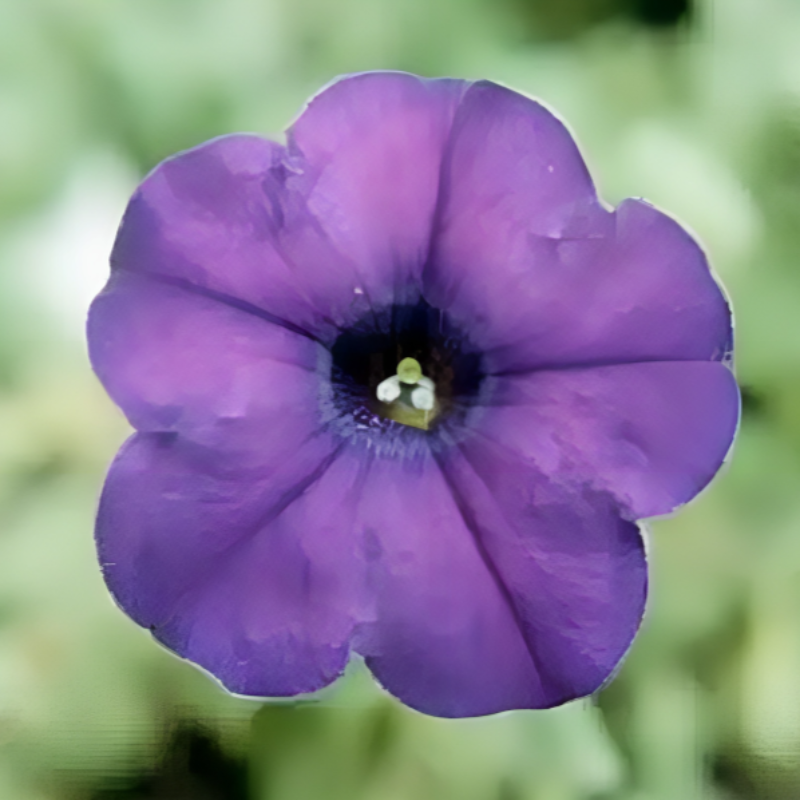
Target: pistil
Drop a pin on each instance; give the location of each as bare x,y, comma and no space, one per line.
410,395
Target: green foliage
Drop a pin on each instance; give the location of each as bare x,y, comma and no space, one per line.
701,118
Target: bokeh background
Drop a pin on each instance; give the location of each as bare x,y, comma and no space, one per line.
693,105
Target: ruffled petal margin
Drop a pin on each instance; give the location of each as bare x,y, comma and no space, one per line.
652,434
315,234
486,602
251,577
463,601
527,259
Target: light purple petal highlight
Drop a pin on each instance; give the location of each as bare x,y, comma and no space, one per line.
652,434
250,575
528,261
373,143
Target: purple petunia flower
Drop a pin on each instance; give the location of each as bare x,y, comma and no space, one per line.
401,388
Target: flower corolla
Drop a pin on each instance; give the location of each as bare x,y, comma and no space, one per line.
402,387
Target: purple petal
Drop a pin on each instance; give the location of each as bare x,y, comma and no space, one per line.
446,640
374,144
572,569
652,434
315,234
175,360
229,218
528,262
249,574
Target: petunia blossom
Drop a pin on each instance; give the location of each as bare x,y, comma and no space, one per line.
402,387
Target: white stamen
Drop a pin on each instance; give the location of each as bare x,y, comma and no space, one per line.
423,398
389,390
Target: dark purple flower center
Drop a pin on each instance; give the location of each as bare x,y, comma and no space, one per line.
366,354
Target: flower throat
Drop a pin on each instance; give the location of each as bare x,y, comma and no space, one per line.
407,364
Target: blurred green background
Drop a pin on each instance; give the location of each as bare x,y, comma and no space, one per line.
695,106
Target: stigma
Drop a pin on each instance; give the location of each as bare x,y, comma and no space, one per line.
410,395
